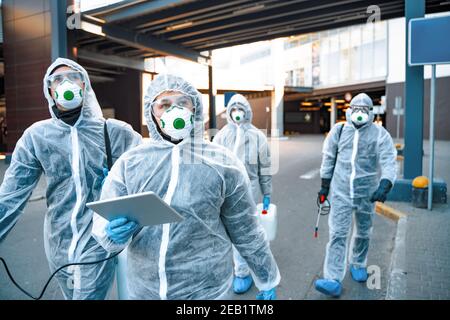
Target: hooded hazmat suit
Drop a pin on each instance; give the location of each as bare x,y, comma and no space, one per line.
72,158
249,144
207,185
362,155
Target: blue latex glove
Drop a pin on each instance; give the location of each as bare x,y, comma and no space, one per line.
120,230
266,202
267,295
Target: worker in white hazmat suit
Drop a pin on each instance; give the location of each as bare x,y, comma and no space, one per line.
202,181
250,145
69,149
358,168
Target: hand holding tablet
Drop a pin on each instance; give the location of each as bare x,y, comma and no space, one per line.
146,209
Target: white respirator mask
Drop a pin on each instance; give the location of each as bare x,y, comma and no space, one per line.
238,116
360,115
69,95
177,122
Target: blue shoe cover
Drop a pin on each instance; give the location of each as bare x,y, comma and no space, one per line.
359,274
242,285
329,287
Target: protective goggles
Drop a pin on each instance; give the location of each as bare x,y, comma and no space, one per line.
365,109
160,105
237,106
58,78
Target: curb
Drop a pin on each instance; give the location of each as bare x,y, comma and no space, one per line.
389,212
397,283
396,286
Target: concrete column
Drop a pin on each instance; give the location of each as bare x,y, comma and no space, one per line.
333,114
277,128
212,96
58,9
414,91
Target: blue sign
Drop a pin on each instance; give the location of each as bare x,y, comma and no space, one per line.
227,96
429,41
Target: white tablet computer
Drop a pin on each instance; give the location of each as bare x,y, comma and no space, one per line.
144,208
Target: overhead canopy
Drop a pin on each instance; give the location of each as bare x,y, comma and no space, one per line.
326,93
190,28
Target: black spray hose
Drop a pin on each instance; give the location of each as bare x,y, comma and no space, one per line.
53,274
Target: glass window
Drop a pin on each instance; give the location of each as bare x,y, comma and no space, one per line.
355,36
367,33
344,66
380,30
333,67
324,51
348,54
367,62
380,58
355,63
334,42
344,38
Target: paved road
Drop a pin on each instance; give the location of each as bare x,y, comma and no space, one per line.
23,250
298,254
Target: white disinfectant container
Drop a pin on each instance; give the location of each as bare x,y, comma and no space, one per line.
268,220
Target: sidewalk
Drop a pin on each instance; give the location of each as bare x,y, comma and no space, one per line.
420,266
380,252
421,259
